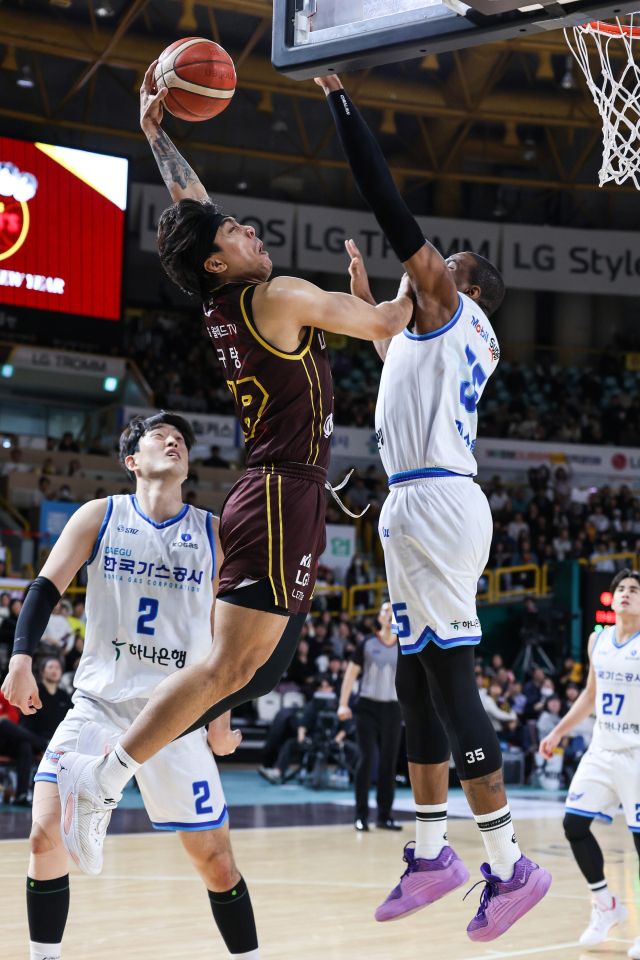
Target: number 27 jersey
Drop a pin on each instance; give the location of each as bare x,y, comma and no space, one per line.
617,673
149,599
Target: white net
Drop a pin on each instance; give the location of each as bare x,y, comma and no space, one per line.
605,53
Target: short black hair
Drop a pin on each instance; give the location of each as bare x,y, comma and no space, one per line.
483,274
138,426
622,575
186,237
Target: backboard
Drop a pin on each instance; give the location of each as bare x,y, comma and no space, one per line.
315,37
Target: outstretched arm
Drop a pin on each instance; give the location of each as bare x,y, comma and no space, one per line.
360,288
182,183
432,280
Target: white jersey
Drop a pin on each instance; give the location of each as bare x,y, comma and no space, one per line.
617,673
426,417
149,599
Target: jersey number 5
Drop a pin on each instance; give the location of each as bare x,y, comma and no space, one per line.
478,377
148,610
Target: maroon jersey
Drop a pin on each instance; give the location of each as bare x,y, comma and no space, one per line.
284,401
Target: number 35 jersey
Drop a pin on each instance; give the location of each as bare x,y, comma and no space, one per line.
617,673
149,599
426,415
284,401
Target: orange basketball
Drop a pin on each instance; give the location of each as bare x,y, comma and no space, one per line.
200,77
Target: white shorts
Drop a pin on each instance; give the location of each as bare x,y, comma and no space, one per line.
436,535
180,785
604,780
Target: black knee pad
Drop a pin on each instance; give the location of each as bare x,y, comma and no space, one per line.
427,741
576,828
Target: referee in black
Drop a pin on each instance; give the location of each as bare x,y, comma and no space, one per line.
378,719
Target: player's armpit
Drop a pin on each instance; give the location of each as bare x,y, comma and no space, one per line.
433,283
75,544
285,306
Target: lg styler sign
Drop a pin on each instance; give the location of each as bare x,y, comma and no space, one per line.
61,228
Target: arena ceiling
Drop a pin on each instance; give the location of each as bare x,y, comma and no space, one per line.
488,132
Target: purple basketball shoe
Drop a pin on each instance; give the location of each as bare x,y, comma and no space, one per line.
502,902
423,882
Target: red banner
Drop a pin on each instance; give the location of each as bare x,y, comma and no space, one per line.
61,229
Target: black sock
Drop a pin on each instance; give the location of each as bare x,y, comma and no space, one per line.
47,909
233,914
589,858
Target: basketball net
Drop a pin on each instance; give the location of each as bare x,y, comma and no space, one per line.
616,91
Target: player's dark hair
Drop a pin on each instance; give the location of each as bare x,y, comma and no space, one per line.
622,575
483,274
186,238
136,428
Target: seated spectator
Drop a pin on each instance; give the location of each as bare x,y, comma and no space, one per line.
549,716
215,460
75,469
358,494
491,701
15,464
49,467
55,701
516,697
68,444
19,745
531,690
58,636
5,601
100,494
599,519
43,491
79,611
517,528
498,497
65,495
8,626
301,670
191,498
602,566
562,546
96,449
520,501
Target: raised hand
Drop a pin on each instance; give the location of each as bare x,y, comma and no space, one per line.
20,687
329,84
358,274
151,111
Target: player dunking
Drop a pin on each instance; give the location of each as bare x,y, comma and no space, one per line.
269,338
609,772
436,530
151,589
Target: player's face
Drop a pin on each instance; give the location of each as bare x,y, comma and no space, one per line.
162,453
241,256
626,597
385,617
460,265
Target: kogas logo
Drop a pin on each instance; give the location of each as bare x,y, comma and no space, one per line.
16,188
186,537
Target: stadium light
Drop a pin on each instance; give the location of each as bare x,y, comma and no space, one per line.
110,384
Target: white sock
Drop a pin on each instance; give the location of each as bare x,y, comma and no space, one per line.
252,955
431,829
602,894
114,772
44,951
500,840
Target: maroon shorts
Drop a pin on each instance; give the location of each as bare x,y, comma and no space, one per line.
273,525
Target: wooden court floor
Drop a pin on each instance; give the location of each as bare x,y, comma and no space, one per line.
314,890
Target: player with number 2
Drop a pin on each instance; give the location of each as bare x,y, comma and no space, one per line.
152,579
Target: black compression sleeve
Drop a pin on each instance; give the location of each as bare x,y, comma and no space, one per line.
41,598
373,178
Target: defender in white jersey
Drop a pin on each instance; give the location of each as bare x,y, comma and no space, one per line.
436,528
152,571
609,772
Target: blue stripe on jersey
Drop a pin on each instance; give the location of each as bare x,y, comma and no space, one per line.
212,543
193,827
588,813
424,473
107,517
438,333
166,523
428,634
50,777
619,646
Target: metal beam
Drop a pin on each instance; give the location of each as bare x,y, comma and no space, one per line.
298,161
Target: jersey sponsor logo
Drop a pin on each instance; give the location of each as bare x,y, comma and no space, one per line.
380,438
385,532
224,330
181,543
117,551
465,436
465,624
163,656
122,529
117,644
54,756
479,329
328,425
321,340
494,349
158,571
186,537
306,561
575,796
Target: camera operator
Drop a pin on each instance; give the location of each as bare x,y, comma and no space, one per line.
378,719
319,721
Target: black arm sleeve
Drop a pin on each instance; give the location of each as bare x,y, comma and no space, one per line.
373,178
41,598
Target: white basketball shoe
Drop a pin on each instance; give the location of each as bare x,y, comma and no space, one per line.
602,921
86,811
634,949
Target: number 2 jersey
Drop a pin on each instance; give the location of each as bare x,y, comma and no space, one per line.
426,416
617,673
149,599
284,401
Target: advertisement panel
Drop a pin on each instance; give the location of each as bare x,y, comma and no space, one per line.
61,228
617,464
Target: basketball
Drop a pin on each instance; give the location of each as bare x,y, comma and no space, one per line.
200,77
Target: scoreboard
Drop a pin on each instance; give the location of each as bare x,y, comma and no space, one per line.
61,229
596,602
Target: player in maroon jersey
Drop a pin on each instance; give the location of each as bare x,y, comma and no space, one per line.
269,338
